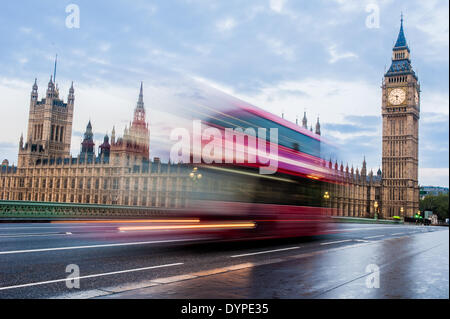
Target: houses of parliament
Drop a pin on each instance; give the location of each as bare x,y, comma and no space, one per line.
122,173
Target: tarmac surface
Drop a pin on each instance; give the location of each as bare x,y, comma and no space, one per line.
359,261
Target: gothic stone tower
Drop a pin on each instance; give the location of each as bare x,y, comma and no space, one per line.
49,126
135,143
400,110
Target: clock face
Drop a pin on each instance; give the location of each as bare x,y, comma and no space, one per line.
397,96
416,97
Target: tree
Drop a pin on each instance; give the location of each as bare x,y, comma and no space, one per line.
437,204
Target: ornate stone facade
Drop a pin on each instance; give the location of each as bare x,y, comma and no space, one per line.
121,174
401,111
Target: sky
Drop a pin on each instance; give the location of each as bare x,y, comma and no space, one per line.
325,57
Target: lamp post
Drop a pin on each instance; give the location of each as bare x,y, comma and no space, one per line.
401,211
195,175
375,205
326,196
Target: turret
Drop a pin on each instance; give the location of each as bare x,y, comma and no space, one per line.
318,126
305,121
51,88
104,149
113,135
21,141
71,97
87,146
364,168
34,92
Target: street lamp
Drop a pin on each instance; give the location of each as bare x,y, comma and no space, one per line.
375,205
194,175
401,211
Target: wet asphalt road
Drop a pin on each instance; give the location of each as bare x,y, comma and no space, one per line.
403,261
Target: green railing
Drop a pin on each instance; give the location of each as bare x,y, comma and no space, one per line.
48,210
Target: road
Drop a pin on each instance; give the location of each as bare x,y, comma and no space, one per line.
403,261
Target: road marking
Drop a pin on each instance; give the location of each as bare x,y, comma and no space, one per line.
94,246
151,283
397,234
265,252
88,276
362,240
31,235
370,237
336,242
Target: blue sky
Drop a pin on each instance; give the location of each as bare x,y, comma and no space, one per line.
284,56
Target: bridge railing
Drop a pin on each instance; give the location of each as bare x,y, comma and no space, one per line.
28,209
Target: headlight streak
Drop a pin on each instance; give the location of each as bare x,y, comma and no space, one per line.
246,225
127,221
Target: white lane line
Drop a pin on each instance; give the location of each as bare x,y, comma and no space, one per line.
94,246
88,276
336,242
397,234
265,252
33,235
370,237
369,228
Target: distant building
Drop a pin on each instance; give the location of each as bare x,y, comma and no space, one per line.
432,190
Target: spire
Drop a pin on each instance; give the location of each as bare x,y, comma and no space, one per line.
318,126
305,121
140,103
87,146
113,135
51,88
89,127
71,90
34,91
54,71
364,168
401,60
401,39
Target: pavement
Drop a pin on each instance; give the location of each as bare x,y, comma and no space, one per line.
358,261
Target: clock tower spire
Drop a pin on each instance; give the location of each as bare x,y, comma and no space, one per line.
401,112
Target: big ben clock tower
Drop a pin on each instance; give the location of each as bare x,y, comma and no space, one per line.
400,110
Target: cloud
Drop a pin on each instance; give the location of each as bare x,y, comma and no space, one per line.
226,24
335,56
278,47
277,5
